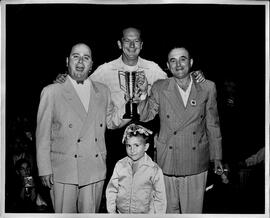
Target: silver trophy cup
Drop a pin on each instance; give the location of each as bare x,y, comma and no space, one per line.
127,82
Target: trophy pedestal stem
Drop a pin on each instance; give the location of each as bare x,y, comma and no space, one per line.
131,111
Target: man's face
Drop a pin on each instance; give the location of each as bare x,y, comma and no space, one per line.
136,147
79,62
179,62
131,44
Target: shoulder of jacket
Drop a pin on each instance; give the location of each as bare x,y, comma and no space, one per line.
207,84
100,84
162,82
51,88
122,162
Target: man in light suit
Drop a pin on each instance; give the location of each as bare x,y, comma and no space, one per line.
189,133
70,144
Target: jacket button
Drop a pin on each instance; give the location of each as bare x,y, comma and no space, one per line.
193,148
174,132
95,139
170,147
201,116
75,155
70,125
168,116
101,125
79,140
194,133
96,155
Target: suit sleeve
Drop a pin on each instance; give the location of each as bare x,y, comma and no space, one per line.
113,117
159,201
156,74
112,191
43,132
213,127
149,107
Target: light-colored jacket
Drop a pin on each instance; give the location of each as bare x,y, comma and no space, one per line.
189,136
143,192
70,142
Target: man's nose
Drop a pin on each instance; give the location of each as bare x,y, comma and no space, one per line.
80,60
132,44
178,63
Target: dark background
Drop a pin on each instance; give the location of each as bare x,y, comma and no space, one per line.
227,41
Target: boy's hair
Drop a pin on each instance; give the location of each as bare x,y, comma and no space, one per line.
136,130
21,161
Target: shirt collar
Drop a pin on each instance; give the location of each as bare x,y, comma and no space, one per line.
145,160
120,65
86,82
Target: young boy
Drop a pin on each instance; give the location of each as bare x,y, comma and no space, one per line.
25,197
137,183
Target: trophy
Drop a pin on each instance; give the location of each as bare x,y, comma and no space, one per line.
128,83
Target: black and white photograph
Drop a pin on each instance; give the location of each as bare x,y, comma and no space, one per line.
135,107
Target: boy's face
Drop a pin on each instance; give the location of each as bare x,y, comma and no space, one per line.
136,147
24,170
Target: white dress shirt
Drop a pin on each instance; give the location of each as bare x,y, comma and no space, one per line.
83,91
185,94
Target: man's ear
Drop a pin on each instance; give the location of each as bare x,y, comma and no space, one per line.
119,44
146,146
191,62
67,61
168,66
141,45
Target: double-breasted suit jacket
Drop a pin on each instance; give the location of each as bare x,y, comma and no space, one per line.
70,141
189,136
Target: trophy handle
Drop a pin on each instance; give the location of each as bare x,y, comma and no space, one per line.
121,75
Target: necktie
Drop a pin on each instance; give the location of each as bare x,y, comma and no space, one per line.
80,81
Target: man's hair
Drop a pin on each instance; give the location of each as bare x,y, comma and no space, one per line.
131,27
21,161
183,46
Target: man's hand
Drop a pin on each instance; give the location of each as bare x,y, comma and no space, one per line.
141,88
218,167
47,180
142,83
251,161
61,78
199,77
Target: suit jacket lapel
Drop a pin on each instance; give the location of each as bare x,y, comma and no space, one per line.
73,99
194,96
193,100
93,107
175,99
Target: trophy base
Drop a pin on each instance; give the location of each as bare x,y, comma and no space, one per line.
131,111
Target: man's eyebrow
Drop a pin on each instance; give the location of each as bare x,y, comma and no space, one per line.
170,59
75,53
183,56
